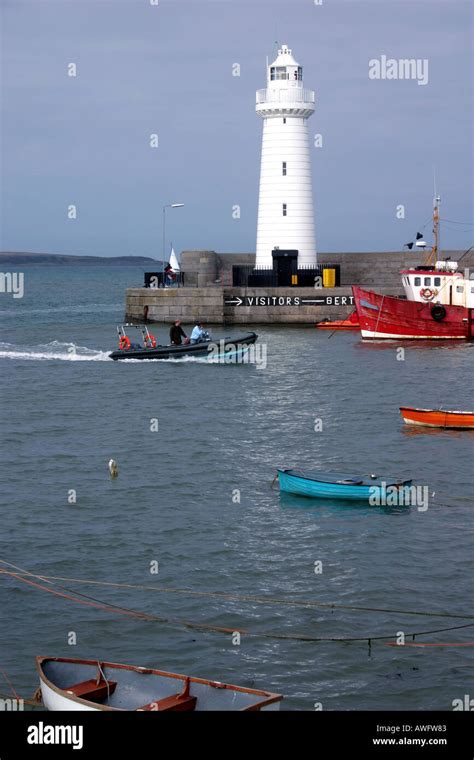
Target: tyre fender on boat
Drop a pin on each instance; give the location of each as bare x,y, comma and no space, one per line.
438,312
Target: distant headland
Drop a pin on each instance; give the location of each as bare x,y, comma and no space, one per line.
17,258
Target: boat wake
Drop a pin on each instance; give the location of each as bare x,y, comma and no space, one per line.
170,360
55,350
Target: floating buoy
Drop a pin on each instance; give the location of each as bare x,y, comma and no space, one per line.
113,468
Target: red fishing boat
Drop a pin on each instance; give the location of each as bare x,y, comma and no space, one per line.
438,418
438,303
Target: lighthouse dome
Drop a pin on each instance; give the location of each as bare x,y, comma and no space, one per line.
284,57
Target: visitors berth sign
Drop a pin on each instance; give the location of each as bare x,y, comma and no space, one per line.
289,301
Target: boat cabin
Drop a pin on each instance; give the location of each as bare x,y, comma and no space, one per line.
442,284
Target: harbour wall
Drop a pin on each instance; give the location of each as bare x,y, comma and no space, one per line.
208,294
374,269
238,305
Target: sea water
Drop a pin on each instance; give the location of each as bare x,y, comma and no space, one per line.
197,445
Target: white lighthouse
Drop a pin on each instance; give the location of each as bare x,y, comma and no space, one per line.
285,207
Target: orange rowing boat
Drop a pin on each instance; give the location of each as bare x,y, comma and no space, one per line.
441,418
351,323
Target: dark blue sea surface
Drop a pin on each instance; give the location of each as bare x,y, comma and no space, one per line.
222,429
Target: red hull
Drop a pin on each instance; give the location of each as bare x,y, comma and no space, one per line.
389,317
438,418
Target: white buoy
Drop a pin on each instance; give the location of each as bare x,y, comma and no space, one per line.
113,468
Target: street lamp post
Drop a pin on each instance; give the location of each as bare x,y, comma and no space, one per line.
168,205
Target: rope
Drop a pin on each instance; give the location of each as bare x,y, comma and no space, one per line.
452,221
90,601
248,598
9,683
430,644
37,697
465,253
101,673
344,320
33,702
378,318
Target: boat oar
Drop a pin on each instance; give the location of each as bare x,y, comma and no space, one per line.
273,481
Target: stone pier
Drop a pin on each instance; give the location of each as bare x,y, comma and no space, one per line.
208,293
239,305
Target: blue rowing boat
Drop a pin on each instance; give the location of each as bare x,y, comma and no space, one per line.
333,485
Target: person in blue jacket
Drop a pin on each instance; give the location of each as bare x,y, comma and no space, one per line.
199,335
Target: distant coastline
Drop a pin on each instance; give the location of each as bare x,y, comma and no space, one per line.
24,258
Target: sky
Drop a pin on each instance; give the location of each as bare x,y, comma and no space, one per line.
167,69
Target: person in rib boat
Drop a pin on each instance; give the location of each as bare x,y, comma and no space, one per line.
199,334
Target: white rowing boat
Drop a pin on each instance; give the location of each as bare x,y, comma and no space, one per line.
74,684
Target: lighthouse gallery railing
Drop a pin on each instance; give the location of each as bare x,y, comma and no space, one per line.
290,95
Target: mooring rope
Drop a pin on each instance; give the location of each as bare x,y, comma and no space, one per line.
97,603
274,481
424,644
240,597
378,318
344,320
33,702
9,682
16,696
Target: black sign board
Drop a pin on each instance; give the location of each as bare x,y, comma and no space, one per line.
289,301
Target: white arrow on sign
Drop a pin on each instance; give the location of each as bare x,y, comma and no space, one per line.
237,301
312,300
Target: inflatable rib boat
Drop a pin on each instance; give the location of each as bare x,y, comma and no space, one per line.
146,346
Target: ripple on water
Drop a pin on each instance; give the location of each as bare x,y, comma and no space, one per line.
196,497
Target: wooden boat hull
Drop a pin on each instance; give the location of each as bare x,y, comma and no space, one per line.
74,684
336,485
351,323
389,317
195,349
438,418
338,325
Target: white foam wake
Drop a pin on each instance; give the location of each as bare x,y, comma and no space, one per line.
170,360
54,350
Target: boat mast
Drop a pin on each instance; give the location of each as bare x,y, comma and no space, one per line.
433,255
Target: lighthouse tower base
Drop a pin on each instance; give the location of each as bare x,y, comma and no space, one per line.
285,209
